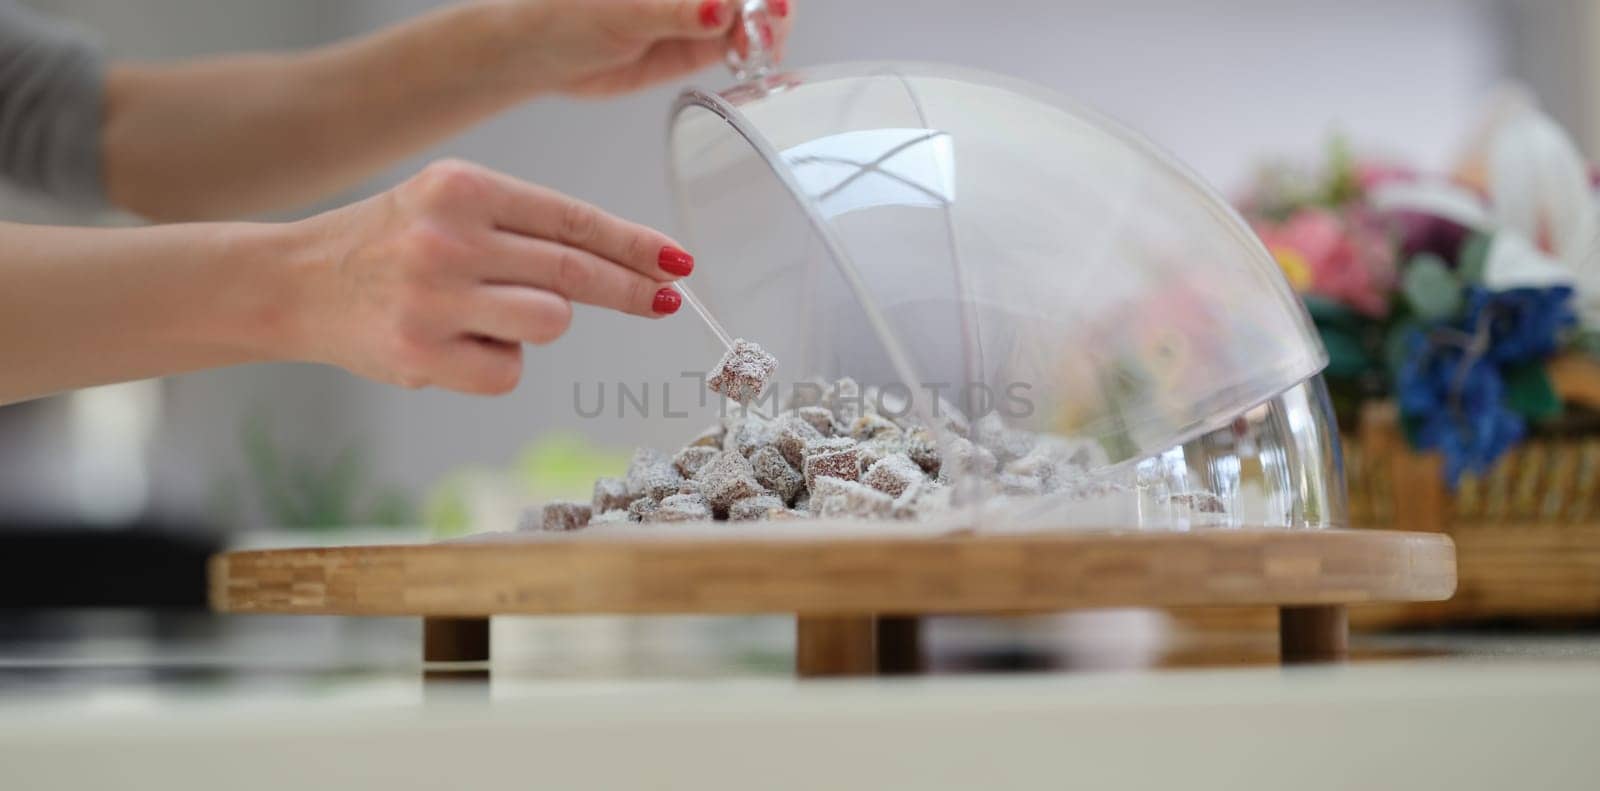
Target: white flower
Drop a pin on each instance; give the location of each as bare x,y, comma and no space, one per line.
1541,209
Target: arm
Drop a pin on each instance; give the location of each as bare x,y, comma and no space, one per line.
437,282
238,135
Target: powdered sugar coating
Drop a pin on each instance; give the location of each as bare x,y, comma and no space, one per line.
619,516
564,516
776,474
843,463
651,475
752,508
893,474
689,460
743,372
728,479
610,494
683,508
791,436
834,497
819,418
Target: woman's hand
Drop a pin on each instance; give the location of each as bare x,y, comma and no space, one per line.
436,282
440,280
231,136
605,47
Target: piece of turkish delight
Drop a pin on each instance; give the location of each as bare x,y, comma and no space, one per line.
873,426
748,433
743,372
643,509
832,458
1200,502
689,460
921,499
923,449
563,517
727,479
609,494
835,497
753,508
966,457
683,508
651,475
876,450
791,435
776,474
1006,443
616,516
820,418
892,474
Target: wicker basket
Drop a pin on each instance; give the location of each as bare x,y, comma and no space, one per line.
1527,534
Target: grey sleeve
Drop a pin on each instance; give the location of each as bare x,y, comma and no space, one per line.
51,107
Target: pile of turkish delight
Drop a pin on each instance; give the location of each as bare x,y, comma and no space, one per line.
833,450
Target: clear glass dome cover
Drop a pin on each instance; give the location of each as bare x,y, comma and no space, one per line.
971,243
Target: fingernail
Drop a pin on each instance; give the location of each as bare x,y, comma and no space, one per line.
780,7
711,13
766,35
675,262
666,302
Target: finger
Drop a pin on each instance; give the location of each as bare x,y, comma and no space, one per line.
783,23
572,273
479,366
516,314
677,18
530,210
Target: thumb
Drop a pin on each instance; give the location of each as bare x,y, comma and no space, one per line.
679,18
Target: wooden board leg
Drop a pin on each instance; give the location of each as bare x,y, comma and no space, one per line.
455,639
1313,634
843,645
900,646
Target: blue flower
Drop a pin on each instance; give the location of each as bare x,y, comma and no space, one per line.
1454,404
1451,383
1523,324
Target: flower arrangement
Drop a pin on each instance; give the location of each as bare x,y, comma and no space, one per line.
1447,294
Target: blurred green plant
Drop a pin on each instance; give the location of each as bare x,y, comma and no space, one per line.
297,490
555,467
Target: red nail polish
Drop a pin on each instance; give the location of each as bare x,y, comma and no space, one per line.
666,302
779,7
675,262
766,35
711,13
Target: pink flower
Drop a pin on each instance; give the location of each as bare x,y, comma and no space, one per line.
1348,257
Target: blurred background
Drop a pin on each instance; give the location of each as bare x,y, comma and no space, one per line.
293,453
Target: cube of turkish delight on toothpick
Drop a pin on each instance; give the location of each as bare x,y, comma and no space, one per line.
743,373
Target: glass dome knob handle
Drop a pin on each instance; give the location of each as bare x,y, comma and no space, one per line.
757,60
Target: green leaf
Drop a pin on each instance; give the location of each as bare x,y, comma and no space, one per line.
1394,347
1530,393
1472,257
1326,312
1587,341
1431,288
1347,356
1342,186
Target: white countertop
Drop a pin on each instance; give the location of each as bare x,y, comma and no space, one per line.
1499,713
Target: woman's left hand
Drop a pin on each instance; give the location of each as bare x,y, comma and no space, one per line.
606,47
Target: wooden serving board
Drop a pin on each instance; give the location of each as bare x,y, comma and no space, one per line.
846,588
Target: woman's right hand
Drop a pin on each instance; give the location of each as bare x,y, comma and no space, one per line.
439,281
